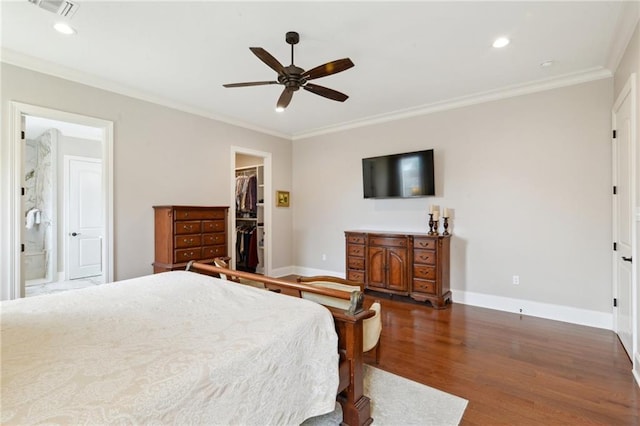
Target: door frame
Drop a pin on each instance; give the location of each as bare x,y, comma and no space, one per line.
12,277
268,204
629,90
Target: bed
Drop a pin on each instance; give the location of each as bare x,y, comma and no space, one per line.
179,348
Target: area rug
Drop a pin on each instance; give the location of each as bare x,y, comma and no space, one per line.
402,402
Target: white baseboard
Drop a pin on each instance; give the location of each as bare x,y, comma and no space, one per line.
281,272
310,272
536,309
506,304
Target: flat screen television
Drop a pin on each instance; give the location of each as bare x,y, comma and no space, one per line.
405,175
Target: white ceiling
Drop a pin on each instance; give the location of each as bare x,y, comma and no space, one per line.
409,56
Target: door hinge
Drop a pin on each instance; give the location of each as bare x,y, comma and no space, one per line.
22,135
22,188
22,248
615,246
615,190
615,302
614,134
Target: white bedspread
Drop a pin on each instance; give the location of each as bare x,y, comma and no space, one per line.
175,348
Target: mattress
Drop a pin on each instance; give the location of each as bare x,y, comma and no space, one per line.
170,348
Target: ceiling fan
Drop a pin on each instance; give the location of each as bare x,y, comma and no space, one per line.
293,77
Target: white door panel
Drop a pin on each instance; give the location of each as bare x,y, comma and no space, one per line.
623,217
85,231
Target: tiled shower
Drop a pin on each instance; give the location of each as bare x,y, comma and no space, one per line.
39,208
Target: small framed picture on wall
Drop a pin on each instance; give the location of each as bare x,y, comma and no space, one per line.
282,198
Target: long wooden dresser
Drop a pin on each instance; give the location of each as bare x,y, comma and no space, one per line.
185,233
415,265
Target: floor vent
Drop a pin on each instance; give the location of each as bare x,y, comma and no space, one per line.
59,7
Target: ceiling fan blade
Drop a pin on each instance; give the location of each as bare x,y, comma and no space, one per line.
266,57
329,68
326,92
252,83
285,98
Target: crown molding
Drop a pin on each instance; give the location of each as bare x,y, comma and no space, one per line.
478,98
45,67
627,22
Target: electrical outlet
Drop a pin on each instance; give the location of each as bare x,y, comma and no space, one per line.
516,280
324,257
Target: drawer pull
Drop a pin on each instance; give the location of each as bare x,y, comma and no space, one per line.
188,227
187,254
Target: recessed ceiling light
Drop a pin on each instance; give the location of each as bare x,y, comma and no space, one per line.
501,42
64,28
546,64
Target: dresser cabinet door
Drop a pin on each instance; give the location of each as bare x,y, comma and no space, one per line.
387,268
377,267
397,269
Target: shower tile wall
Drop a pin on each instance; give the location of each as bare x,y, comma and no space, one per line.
38,195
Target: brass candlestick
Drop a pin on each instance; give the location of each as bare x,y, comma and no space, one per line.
435,228
445,225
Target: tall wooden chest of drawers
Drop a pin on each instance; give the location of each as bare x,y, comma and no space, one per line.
415,265
185,233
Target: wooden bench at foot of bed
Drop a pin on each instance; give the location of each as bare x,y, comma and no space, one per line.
355,405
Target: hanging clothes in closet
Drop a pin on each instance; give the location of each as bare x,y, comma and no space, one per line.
246,248
246,195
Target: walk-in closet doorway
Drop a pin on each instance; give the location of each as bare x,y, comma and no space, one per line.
250,211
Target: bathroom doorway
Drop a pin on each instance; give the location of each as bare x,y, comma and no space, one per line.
62,166
45,143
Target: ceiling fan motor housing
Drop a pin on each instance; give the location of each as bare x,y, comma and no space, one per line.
292,78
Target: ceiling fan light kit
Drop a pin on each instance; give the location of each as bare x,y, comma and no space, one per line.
293,78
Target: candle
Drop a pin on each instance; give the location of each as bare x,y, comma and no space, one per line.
446,212
436,215
434,208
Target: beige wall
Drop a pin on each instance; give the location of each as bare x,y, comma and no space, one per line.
529,179
161,156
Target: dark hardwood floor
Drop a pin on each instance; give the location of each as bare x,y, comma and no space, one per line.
513,369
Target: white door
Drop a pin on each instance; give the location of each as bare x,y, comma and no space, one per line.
85,222
623,219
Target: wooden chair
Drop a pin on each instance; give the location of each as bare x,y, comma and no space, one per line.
372,327
223,262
